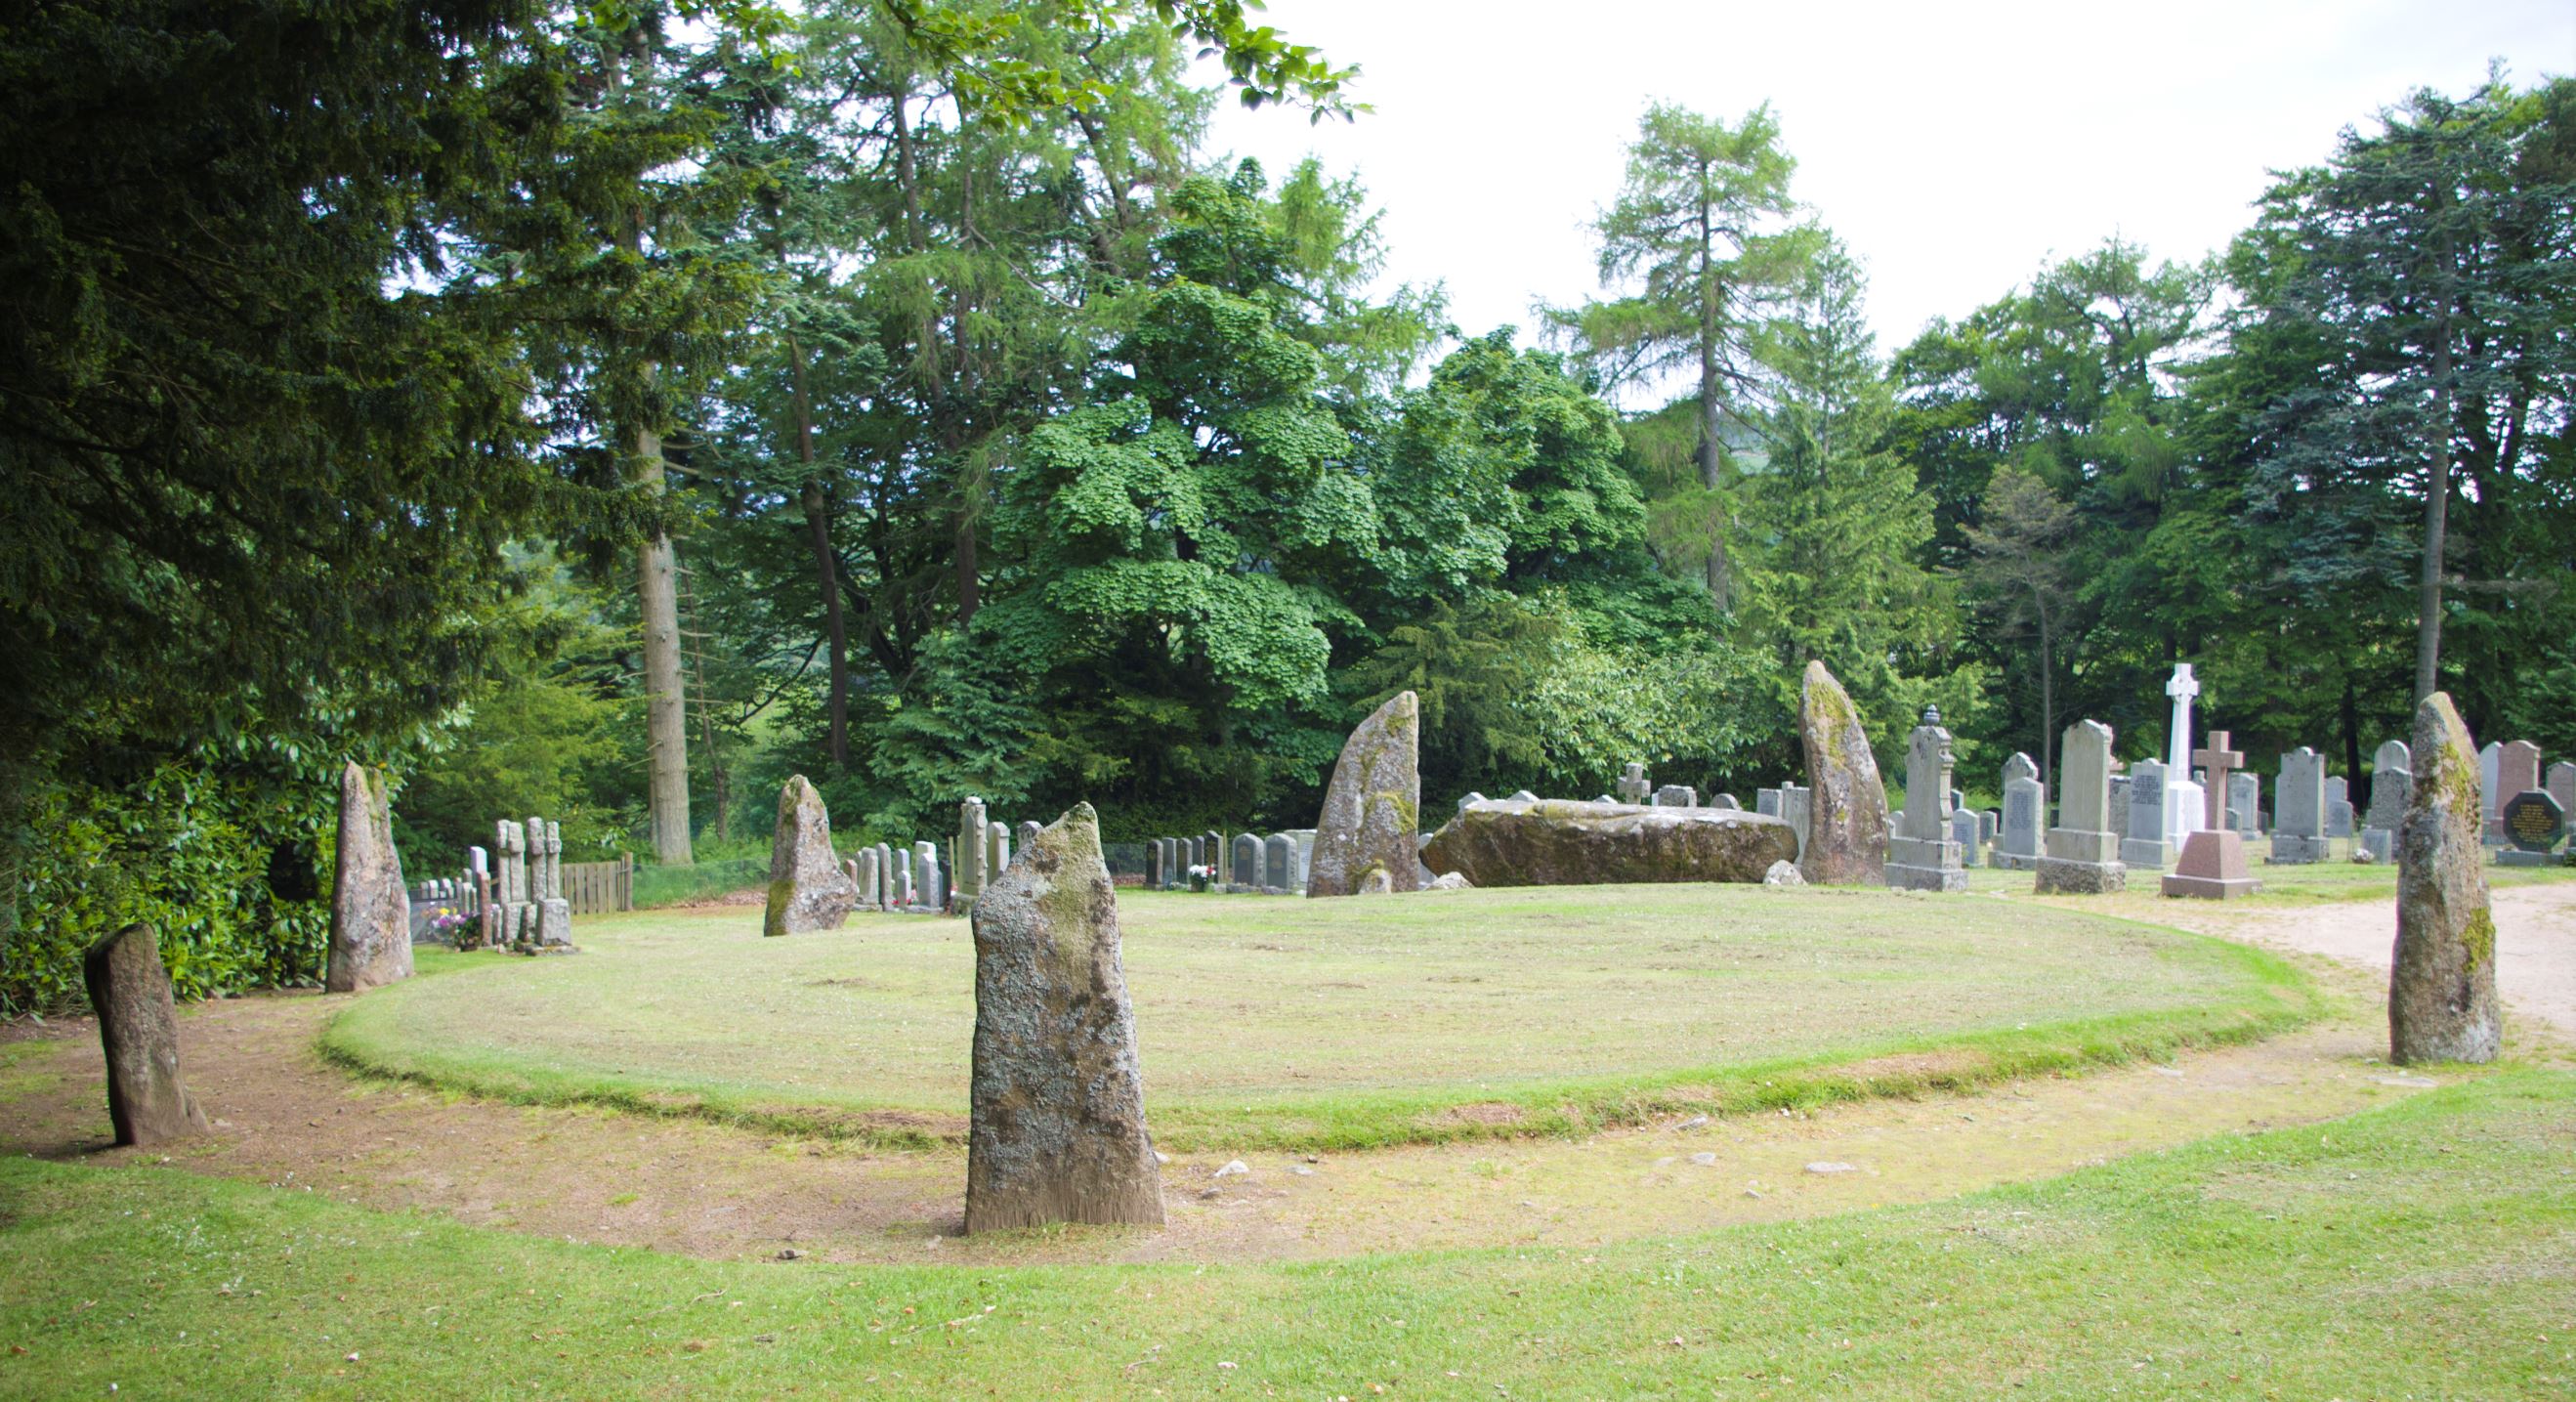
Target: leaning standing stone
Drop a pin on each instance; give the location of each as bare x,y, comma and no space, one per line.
370,912
1365,840
139,1028
1058,1127
2441,990
1846,805
807,889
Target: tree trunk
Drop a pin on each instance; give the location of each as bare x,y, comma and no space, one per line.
2437,504
1721,582
2047,710
818,525
2351,717
666,720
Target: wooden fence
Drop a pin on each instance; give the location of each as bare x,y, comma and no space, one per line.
596,888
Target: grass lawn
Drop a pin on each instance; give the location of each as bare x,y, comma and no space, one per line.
2425,1250
1270,1023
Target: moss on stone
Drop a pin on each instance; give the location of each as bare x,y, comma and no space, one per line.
2477,939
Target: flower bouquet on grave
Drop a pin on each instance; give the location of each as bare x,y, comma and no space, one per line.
456,928
1199,877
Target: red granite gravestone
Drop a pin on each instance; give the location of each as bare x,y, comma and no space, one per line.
2212,866
2219,760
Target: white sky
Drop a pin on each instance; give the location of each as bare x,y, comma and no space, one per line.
1955,147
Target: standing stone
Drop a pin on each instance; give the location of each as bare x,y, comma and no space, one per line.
2211,867
2025,813
1247,864
1844,829
1057,1132
1370,818
2392,788
2184,800
2441,984
929,883
2338,806
1279,865
1920,855
2245,799
967,858
370,912
2490,778
1633,785
1963,831
1677,796
138,1027
2299,817
807,888
2083,856
2144,847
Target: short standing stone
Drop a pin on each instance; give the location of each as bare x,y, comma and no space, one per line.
1843,830
2441,985
370,912
139,1029
1370,821
1783,874
2211,867
2025,814
2149,791
1057,1132
2299,809
1920,854
807,889
2083,855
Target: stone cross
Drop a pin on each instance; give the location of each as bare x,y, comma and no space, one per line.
1633,786
2219,760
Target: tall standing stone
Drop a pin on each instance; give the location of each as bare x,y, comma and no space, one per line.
2441,986
370,911
2299,809
1920,855
807,888
2392,789
1845,832
2025,814
2144,847
967,876
1057,1132
138,1027
2083,855
1368,833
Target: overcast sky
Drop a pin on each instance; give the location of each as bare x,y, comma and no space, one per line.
1955,147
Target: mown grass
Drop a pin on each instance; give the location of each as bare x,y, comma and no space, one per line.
1284,1024
2312,883
2423,1250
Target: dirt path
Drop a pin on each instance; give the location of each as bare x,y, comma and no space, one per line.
2535,941
288,1120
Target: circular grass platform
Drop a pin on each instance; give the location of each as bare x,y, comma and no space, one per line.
1283,1023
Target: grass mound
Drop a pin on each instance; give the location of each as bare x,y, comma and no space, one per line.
1284,1024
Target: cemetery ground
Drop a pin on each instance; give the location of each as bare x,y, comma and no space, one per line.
1484,1178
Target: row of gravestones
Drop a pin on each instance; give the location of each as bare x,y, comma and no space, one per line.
1245,864
2522,815
515,901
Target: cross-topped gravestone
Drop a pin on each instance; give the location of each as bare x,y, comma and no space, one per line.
1633,785
2183,798
2218,759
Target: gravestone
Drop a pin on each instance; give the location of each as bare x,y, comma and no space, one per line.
2490,775
2392,787
2517,772
1370,822
2533,825
871,880
370,912
1677,796
2083,854
1218,861
2120,806
2220,791
1767,802
2211,867
929,883
1472,797
1279,866
2562,785
1725,800
1056,1130
2338,807
887,876
138,1028
554,913
807,889
1247,864
997,849
1028,833
1840,817
1633,786
1154,865
2441,984
2185,800
900,899
2299,824
1990,821
2144,847
2245,796
1963,831
2025,813
1920,854
966,857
